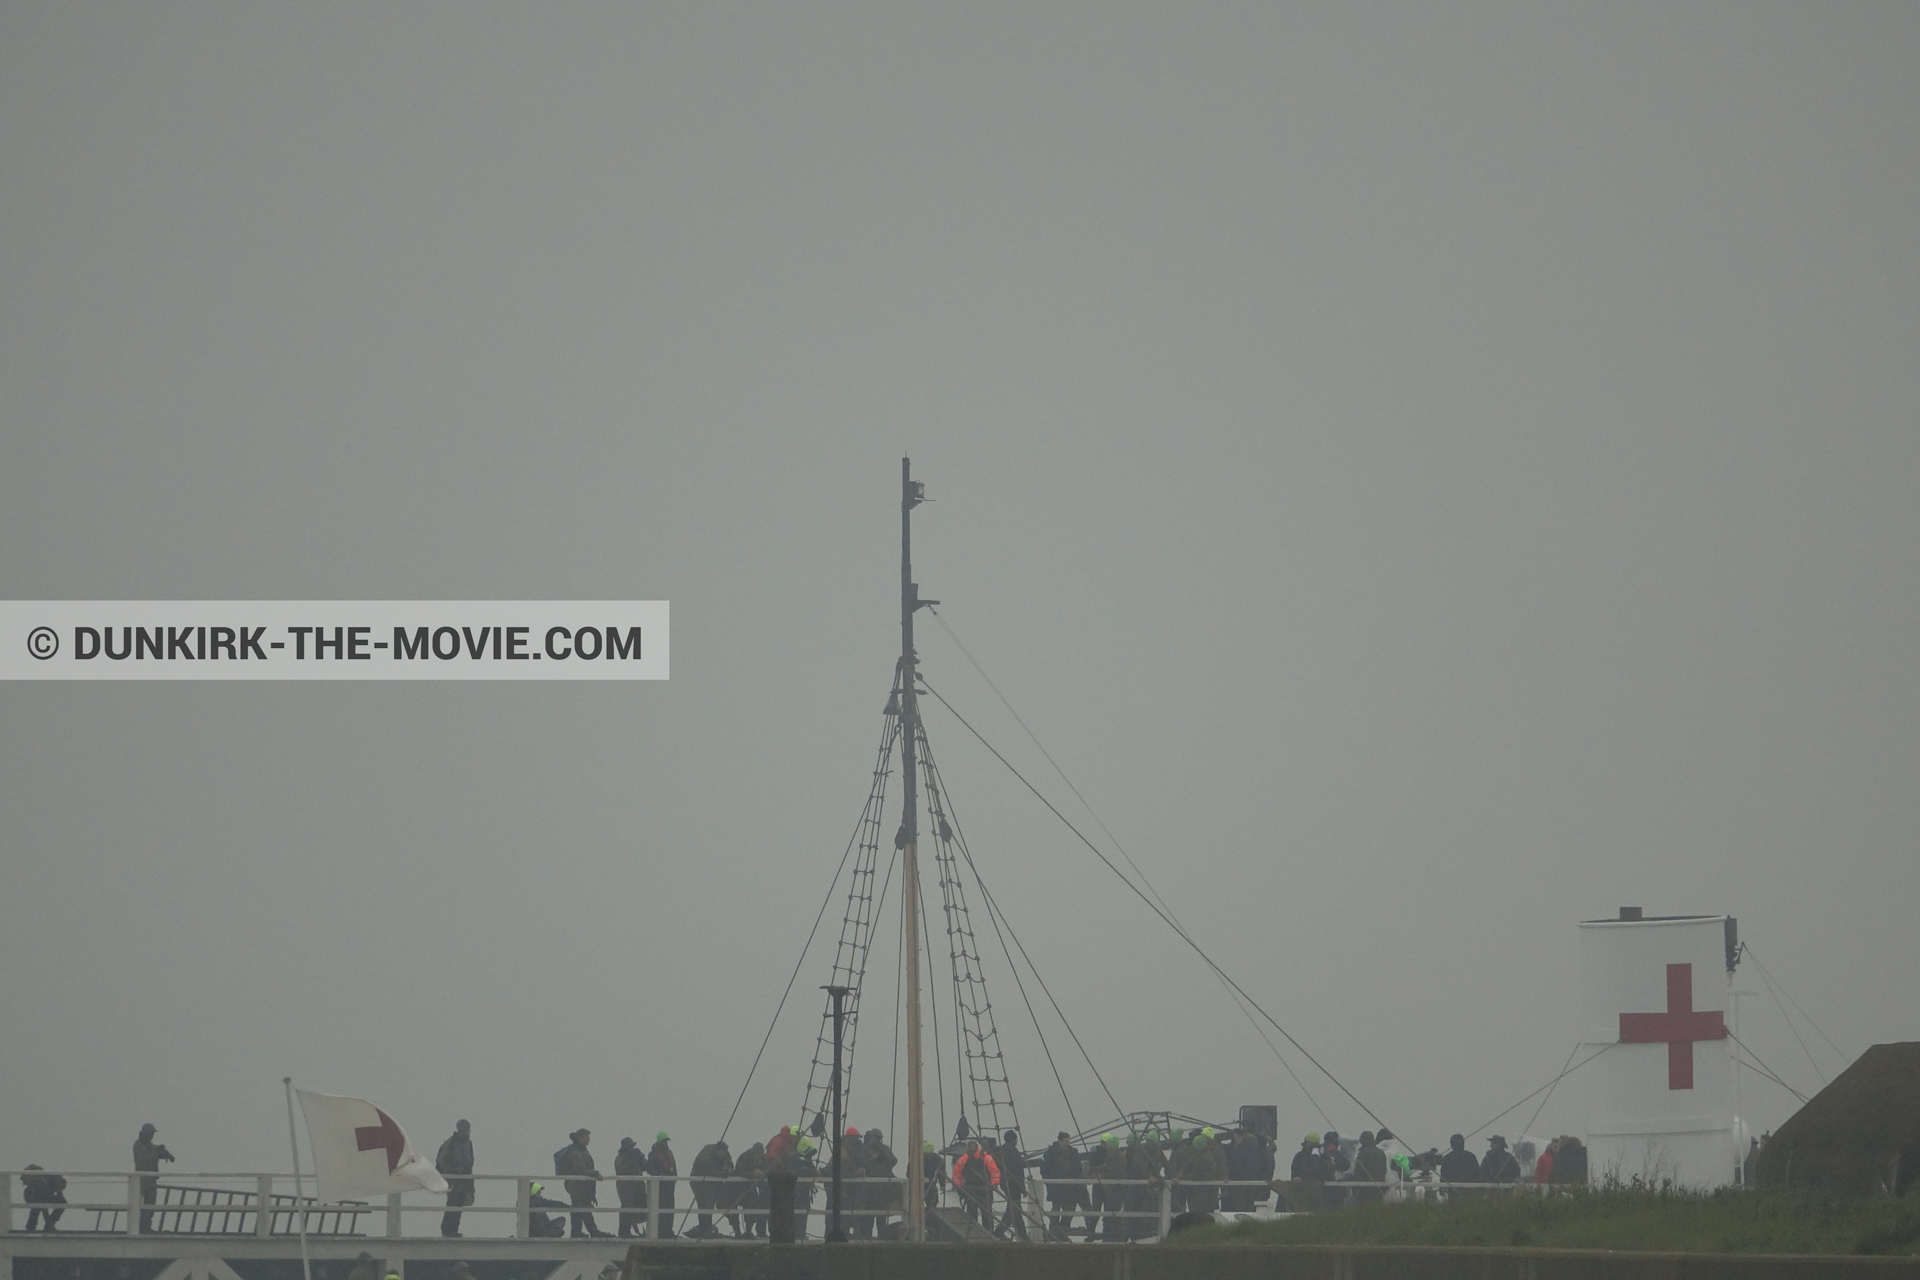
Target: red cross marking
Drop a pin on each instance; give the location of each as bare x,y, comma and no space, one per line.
386,1134
1679,1026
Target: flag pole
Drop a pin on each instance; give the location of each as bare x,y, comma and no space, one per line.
293,1140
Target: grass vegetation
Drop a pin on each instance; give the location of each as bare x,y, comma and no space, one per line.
1628,1218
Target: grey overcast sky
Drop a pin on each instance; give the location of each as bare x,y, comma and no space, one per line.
1429,473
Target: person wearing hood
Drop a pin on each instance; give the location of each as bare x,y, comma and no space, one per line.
712,1166
1369,1165
1498,1165
631,1162
454,1162
661,1164
574,1163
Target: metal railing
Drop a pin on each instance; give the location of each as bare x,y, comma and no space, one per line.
227,1204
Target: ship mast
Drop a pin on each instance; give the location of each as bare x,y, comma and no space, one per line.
909,838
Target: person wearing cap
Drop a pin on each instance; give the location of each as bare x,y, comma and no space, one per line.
1498,1165
1060,1172
630,1162
544,1224
712,1166
147,1155
454,1162
661,1164
574,1163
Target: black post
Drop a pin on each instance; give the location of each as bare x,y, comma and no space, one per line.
837,1234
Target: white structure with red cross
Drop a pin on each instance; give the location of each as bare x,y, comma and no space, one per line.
1660,1081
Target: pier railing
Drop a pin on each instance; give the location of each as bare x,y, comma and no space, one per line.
655,1207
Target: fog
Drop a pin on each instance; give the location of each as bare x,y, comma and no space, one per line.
1429,475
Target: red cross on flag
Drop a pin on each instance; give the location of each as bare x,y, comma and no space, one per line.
360,1152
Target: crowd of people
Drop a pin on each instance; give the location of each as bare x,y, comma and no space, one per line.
1113,1186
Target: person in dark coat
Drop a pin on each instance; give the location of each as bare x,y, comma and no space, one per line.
1208,1163
1107,1165
631,1162
1459,1165
1249,1160
712,1166
39,1189
455,1163
882,1197
1060,1171
1013,1185
1369,1165
661,1164
933,1174
1570,1163
749,1188
1498,1165
540,1224
1145,1165
574,1163
850,1157
364,1268
147,1155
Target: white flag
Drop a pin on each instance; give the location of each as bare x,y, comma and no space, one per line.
359,1152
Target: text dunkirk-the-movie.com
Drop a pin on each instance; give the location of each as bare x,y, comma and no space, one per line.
333,640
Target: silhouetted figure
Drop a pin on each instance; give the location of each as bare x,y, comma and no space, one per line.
574,1163
147,1155
1060,1171
1370,1165
1459,1165
1570,1162
1499,1165
39,1189
713,1165
455,1163
540,1224
1013,1185
631,1162
661,1164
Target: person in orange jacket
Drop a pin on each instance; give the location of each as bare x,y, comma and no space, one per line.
975,1175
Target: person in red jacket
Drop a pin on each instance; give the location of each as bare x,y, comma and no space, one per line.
975,1175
